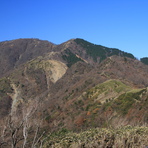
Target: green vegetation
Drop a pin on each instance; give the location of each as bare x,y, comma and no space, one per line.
98,51
93,50
112,95
107,87
70,58
124,102
5,87
144,60
127,136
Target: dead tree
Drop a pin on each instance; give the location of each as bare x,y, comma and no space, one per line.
17,133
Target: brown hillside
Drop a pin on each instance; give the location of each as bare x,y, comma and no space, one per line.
69,86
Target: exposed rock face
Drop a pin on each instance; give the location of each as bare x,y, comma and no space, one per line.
16,98
56,70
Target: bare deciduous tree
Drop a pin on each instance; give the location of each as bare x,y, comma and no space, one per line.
17,133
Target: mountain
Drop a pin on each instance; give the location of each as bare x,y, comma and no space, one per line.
74,86
144,60
16,52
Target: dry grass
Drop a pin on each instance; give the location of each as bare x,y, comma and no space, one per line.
131,137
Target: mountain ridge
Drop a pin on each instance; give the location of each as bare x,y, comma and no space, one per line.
76,85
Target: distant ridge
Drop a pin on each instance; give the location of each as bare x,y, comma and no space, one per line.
144,60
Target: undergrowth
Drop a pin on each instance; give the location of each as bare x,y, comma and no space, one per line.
127,136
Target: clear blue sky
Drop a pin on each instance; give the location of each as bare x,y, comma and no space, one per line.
121,24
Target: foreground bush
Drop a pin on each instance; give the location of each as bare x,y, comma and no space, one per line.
125,137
